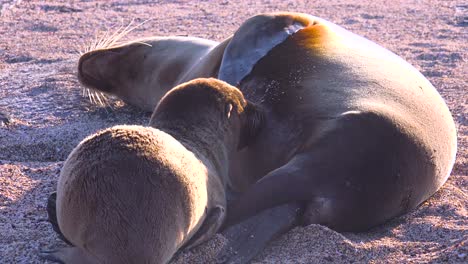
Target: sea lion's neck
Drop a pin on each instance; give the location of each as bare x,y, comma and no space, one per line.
181,59
208,65
207,142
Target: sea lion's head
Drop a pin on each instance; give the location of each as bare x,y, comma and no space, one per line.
209,106
139,72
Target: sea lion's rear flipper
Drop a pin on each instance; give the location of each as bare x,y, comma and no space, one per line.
248,238
52,213
208,229
68,255
50,255
253,40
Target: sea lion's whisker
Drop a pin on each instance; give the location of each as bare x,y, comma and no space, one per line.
95,42
136,26
76,48
126,31
143,43
93,95
105,99
109,40
98,96
102,41
89,95
86,48
121,34
77,51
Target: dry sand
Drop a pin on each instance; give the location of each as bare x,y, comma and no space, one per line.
46,116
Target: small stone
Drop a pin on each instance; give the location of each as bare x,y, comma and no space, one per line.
4,119
461,255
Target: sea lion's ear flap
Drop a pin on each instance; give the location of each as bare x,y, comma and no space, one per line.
228,110
252,121
252,41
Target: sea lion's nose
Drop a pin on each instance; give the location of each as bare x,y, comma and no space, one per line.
92,68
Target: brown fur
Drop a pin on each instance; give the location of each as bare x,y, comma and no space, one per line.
133,194
114,190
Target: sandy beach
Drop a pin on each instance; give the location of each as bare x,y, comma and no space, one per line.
43,114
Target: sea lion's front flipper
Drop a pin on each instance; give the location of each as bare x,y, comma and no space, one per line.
253,40
248,238
52,213
208,229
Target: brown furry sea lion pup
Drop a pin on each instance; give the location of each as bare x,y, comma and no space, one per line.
132,194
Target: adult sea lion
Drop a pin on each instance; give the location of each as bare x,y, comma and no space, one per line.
352,134
133,194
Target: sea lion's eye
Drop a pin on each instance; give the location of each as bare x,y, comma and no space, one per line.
228,110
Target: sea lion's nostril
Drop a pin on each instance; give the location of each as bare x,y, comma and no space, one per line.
92,69
83,69
87,70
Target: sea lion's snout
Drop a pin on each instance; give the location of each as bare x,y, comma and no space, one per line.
93,69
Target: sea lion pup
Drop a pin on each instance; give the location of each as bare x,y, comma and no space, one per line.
132,194
352,134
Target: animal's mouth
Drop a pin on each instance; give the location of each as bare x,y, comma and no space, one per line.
90,71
